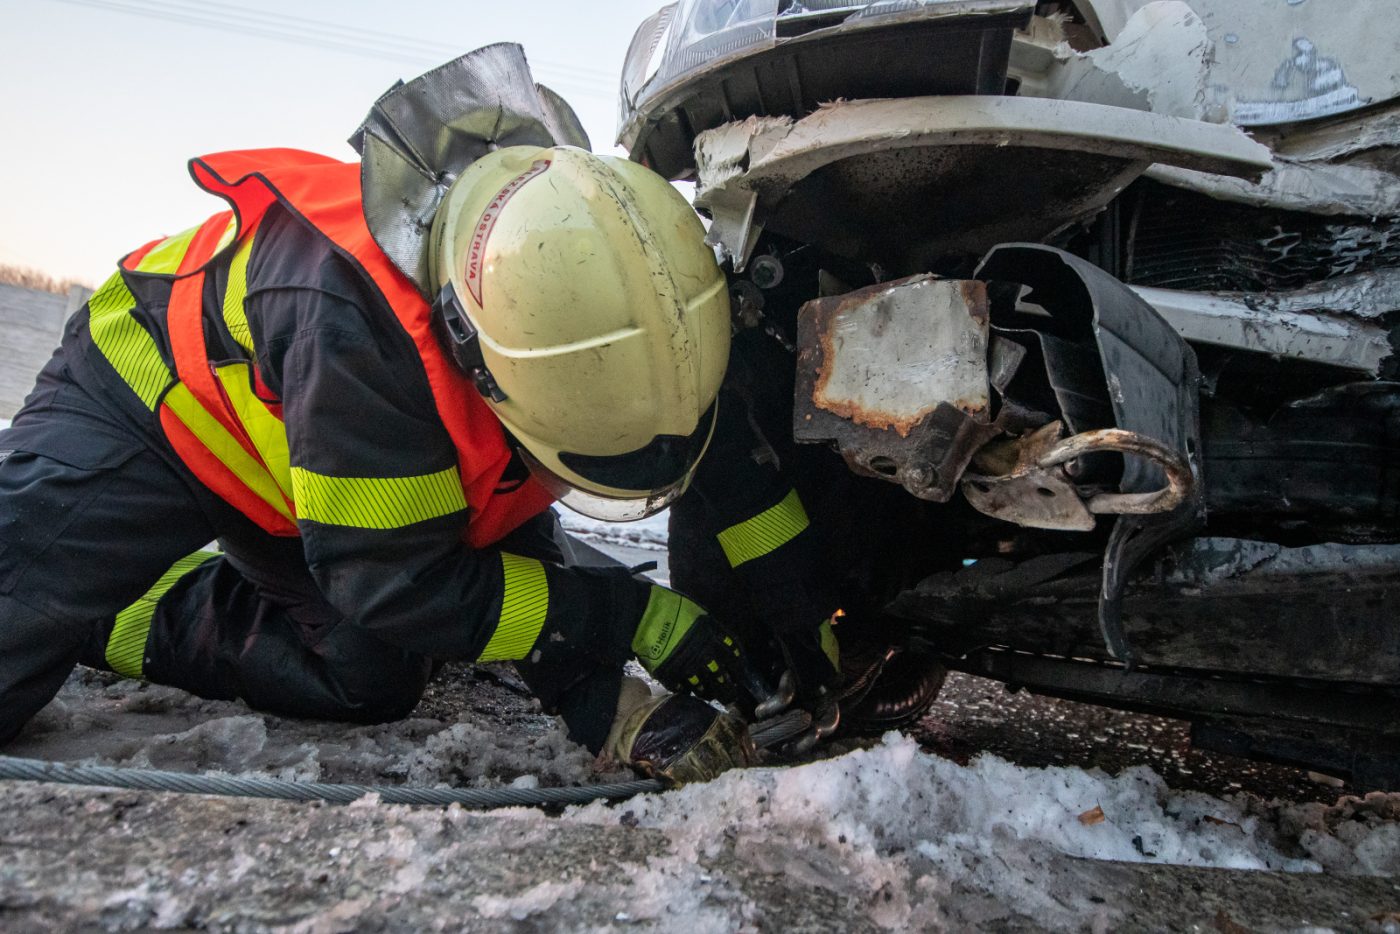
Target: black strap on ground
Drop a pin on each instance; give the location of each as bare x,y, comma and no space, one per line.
35,770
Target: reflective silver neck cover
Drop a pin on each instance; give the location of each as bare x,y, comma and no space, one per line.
419,136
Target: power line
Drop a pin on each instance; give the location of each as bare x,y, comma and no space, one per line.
441,51
319,33
332,37
218,15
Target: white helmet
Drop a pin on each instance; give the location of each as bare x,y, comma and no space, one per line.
578,292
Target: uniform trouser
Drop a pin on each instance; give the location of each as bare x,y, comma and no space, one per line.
99,526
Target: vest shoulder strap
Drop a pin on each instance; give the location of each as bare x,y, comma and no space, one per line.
326,194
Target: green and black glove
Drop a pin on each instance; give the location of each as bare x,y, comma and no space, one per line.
687,650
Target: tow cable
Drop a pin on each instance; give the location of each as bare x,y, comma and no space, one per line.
35,770
767,733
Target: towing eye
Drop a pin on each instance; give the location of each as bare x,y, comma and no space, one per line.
1177,471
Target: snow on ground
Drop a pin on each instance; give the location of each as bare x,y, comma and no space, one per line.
498,737
892,819
647,534
886,798
899,837
633,543
891,799
887,835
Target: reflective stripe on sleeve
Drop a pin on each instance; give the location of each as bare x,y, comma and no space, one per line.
765,532
376,502
524,606
126,647
128,347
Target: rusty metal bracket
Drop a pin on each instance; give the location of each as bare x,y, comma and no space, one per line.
895,375
1007,481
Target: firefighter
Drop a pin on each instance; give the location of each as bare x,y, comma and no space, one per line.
368,388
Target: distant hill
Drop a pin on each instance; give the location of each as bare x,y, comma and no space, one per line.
26,278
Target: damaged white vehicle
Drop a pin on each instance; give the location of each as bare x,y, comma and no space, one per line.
1083,315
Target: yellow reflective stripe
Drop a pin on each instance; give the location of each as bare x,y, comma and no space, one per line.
235,318
524,606
377,502
226,448
126,647
831,648
165,257
765,532
125,343
263,428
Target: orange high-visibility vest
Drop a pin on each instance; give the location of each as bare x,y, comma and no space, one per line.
217,417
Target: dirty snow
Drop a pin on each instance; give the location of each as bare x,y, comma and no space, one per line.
870,804
101,719
894,819
889,836
897,835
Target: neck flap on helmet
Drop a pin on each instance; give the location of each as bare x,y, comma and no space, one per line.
419,136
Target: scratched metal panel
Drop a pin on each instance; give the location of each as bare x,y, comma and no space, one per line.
1279,61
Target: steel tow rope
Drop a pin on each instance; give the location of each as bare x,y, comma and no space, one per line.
766,733
35,770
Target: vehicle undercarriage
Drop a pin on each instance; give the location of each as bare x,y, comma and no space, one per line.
1088,390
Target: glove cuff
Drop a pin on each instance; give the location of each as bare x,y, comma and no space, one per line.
663,626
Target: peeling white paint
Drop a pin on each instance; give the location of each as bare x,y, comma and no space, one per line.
1315,187
895,357
1159,63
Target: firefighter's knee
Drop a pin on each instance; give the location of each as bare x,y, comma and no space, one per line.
392,695
376,682
36,655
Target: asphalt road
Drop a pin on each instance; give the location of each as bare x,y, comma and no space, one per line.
974,715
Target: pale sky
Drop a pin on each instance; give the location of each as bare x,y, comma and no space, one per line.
103,101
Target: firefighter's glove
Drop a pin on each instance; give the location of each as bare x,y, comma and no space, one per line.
687,650
810,683
678,738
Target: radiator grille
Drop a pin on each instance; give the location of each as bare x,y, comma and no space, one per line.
1182,240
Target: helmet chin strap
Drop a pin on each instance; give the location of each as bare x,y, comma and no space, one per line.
419,136
464,342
